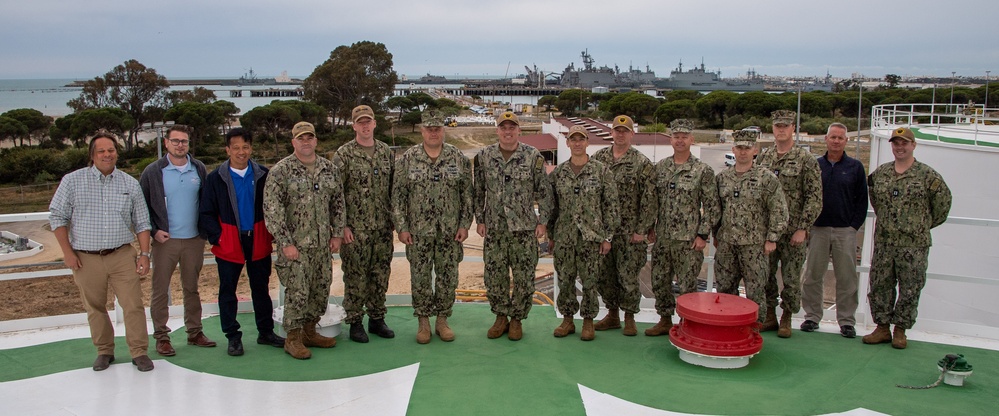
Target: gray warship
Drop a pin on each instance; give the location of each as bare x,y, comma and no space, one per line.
699,79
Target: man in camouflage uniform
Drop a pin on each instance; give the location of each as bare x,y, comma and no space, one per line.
303,210
618,282
753,216
366,170
685,209
510,181
801,180
432,209
585,216
909,199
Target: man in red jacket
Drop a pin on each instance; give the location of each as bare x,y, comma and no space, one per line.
232,216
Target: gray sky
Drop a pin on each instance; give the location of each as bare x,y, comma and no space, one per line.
224,38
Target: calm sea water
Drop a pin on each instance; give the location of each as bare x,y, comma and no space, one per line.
50,95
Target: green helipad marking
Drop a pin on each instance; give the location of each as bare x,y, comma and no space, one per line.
934,137
810,373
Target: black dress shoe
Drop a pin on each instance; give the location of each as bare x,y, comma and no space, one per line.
103,361
271,339
357,333
848,331
809,326
378,327
235,347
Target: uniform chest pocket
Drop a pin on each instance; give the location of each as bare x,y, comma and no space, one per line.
299,187
625,175
915,190
521,173
791,169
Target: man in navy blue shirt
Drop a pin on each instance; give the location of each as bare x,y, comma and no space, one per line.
232,217
844,208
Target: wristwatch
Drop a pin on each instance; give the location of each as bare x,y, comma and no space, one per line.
608,239
143,253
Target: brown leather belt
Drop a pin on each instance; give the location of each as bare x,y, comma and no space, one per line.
103,252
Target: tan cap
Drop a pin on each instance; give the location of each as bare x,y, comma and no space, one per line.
903,133
577,130
783,116
746,138
623,121
301,128
360,112
507,116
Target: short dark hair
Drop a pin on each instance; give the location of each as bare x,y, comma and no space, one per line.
183,128
238,132
102,134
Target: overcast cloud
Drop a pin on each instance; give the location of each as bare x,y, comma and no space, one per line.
224,38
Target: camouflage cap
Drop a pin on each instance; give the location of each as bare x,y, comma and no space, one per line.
507,116
681,125
360,112
433,118
745,138
903,133
784,116
301,128
623,121
574,130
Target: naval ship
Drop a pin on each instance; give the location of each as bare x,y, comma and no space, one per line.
699,79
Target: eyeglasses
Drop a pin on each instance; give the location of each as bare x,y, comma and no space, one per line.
179,142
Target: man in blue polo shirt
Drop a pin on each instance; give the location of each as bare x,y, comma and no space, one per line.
172,188
232,218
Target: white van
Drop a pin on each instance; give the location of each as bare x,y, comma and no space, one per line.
729,159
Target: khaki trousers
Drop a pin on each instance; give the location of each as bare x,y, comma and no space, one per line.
116,270
840,243
190,254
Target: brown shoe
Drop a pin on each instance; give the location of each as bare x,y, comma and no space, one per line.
880,335
499,327
164,348
629,325
898,339
587,334
770,322
784,331
311,338
103,361
442,329
423,332
516,330
293,345
567,327
200,340
611,321
143,363
661,328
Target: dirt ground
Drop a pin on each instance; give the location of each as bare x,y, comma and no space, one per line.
50,296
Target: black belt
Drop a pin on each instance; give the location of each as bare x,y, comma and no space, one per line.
247,233
102,252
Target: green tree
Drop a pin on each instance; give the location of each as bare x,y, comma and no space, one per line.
271,119
892,80
548,101
412,118
357,74
403,103
672,110
36,122
639,105
422,100
755,103
713,107
683,95
130,86
204,119
85,123
572,102
228,110
11,129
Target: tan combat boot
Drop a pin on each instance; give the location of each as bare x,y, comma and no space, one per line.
898,339
293,345
311,338
499,327
611,321
784,331
880,335
661,328
567,327
443,330
770,323
516,330
588,327
423,332
629,325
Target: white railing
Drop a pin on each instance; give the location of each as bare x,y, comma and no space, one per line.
969,120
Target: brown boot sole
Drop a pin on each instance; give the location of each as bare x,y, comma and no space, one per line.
598,327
